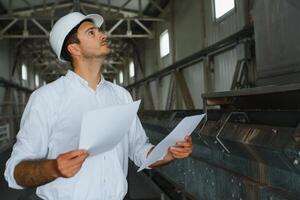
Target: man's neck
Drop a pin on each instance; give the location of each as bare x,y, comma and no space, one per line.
89,70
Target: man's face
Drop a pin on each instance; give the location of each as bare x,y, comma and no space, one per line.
93,42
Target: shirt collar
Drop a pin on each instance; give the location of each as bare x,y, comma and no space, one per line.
72,75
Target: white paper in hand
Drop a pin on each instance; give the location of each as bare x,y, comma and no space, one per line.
184,128
103,129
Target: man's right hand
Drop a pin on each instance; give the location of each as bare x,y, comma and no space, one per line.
68,164
33,173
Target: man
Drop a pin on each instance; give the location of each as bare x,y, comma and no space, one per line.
46,155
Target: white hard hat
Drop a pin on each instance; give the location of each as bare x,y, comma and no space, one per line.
63,27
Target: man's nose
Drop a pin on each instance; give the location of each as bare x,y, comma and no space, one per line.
102,35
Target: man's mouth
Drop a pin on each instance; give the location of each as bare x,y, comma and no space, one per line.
104,43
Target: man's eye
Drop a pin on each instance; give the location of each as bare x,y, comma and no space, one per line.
91,32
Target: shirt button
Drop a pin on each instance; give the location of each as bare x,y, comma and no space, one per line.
104,180
104,157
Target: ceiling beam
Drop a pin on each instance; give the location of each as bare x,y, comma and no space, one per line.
42,8
29,5
156,5
2,9
76,6
124,5
8,26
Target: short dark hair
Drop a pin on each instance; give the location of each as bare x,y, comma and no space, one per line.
71,38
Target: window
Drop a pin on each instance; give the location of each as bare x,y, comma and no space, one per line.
37,80
131,69
164,43
24,72
222,7
121,77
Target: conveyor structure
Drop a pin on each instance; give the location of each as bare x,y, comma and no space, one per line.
247,148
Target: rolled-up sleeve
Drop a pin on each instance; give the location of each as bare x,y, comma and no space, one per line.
139,145
32,138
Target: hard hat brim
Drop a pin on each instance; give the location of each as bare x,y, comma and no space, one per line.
97,19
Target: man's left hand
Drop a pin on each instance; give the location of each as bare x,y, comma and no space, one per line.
181,150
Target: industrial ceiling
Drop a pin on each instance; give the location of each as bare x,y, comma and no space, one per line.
28,24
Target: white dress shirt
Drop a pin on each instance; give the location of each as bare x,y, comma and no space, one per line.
50,126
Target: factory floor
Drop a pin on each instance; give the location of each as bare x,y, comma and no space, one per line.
140,188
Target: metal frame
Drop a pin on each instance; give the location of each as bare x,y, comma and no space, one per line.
6,83
225,44
117,15
44,61
18,24
25,34
223,126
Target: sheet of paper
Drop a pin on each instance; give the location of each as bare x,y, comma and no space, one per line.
103,129
184,128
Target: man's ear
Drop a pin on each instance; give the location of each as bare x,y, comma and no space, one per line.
73,49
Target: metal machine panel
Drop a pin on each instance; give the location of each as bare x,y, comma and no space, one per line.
236,155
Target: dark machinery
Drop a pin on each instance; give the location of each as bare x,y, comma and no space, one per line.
248,147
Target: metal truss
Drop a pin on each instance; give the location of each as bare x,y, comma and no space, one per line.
43,18
37,53
33,24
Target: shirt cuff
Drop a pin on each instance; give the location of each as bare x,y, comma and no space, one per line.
146,151
9,174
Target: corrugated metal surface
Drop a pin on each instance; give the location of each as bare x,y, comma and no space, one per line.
216,31
224,66
195,81
12,101
164,86
4,65
154,92
159,90
277,62
147,49
188,29
189,32
4,58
